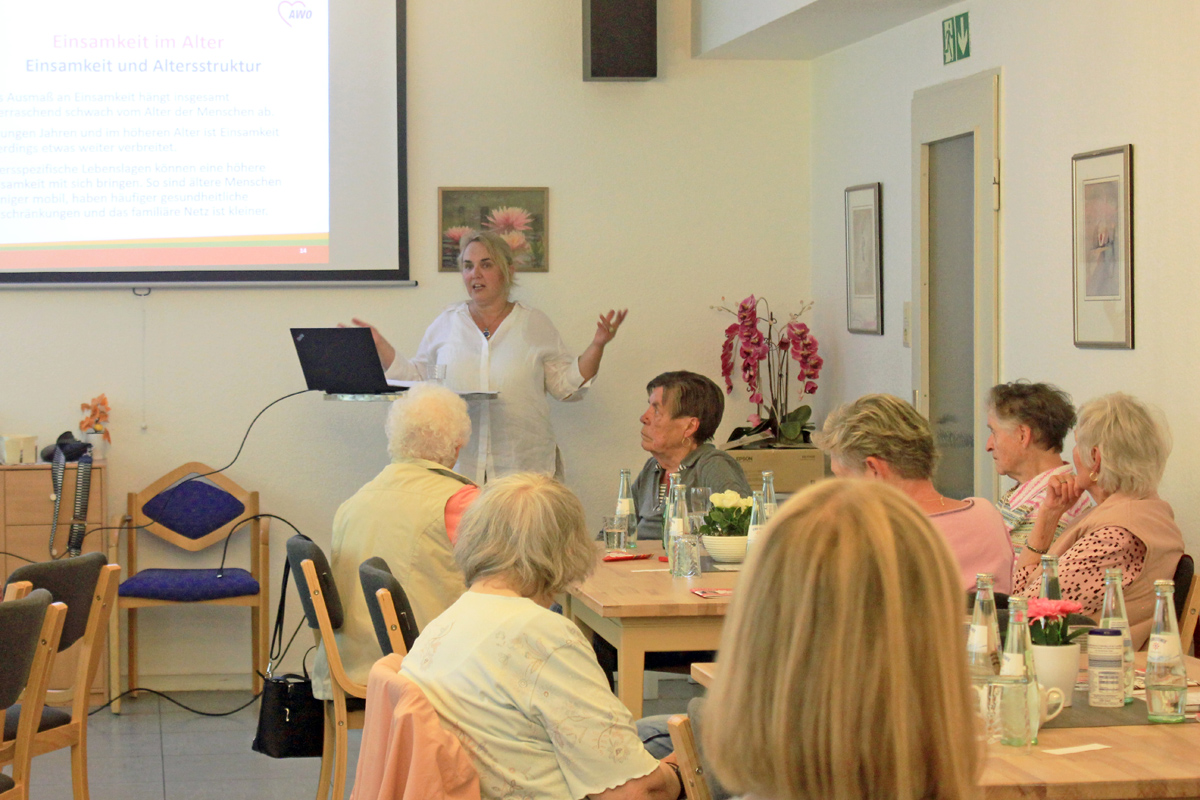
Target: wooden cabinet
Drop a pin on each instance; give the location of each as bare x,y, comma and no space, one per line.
26,514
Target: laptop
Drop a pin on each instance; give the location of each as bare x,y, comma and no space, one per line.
341,361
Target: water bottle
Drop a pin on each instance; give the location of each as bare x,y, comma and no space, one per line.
768,493
758,520
1050,589
683,553
666,536
1166,678
1020,705
1112,615
625,509
983,640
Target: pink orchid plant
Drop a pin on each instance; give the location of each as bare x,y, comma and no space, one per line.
1048,621
767,362
511,223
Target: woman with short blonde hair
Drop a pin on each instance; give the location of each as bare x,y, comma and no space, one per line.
518,683
1121,450
882,437
841,672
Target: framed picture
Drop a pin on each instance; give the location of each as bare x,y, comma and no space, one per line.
864,259
519,215
1102,199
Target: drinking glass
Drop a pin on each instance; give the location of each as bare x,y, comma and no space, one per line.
698,505
1005,709
685,561
615,529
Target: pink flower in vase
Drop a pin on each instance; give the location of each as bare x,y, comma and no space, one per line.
1052,610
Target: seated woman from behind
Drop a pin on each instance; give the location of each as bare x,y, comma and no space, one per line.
1120,453
517,683
841,671
881,437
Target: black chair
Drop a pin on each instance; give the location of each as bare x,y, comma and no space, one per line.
323,609
391,613
30,630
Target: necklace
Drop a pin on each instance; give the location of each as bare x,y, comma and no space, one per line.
487,326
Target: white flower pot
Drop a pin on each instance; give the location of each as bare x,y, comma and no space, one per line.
726,549
1057,667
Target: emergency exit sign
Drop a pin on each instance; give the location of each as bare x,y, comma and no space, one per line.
956,39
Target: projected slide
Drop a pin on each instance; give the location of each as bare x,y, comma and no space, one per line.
137,135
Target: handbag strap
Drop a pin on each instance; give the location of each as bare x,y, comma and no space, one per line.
273,653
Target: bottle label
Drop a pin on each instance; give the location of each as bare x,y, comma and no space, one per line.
1164,647
625,507
1012,664
676,526
977,640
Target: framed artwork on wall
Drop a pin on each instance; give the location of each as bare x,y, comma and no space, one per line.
520,215
864,259
1102,201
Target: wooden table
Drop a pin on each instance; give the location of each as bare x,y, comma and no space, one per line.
1140,760
640,612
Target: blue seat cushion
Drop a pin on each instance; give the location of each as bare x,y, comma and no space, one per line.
193,509
189,585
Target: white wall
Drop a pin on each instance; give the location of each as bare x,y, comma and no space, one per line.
664,196
1076,76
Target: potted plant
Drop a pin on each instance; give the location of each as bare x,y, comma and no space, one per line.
1055,651
726,525
95,424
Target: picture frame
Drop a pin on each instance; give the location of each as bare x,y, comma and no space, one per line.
864,259
1102,250
523,220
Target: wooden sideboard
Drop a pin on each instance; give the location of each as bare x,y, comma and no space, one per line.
26,513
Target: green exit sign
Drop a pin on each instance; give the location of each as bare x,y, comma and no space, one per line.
956,39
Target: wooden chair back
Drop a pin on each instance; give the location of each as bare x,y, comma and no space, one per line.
1190,615
687,755
17,590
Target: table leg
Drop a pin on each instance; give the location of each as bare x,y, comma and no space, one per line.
631,669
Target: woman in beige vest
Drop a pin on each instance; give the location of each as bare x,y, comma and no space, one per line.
1121,450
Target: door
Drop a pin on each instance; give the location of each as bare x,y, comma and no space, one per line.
955,312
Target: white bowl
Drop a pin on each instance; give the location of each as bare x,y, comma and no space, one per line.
727,549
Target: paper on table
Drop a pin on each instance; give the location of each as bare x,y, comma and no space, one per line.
1083,748
469,394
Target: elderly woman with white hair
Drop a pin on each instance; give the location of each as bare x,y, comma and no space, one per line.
407,515
518,684
493,343
1121,450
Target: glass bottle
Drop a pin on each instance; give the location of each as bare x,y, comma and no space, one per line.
1112,615
683,553
625,509
758,520
666,535
768,493
1021,704
1050,588
983,640
1166,678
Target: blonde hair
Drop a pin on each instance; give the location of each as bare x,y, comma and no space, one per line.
497,248
1134,443
841,664
530,528
430,422
882,426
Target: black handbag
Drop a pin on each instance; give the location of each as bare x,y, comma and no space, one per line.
291,722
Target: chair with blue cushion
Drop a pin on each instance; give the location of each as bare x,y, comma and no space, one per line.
195,513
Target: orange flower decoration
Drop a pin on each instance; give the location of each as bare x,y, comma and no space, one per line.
96,417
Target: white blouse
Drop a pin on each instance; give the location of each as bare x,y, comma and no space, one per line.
522,690
524,359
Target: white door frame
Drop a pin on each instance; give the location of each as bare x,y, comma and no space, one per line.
969,105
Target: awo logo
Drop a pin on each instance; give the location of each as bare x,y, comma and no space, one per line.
293,11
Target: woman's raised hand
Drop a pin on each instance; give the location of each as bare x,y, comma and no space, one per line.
387,353
607,325
1062,492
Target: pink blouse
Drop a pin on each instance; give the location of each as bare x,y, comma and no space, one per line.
1081,569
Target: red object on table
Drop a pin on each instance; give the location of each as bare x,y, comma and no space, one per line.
625,556
663,558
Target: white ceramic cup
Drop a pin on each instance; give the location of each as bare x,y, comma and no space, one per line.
1049,698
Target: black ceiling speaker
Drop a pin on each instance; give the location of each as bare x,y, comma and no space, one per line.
620,40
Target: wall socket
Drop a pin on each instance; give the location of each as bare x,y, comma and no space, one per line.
908,324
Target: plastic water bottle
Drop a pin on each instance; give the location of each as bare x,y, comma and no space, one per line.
1112,615
768,493
1166,678
625,509
983,638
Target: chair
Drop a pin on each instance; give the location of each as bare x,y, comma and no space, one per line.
323,609
30,629
1187,600
194,515
391,613
16,590
87,585
687,754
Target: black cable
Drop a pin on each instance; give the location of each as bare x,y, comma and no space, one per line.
176,702
14,555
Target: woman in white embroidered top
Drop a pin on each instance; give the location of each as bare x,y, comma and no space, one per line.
493,343
517,683
841,671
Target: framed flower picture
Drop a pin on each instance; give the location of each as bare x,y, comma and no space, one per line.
1103,250
864,259
520,215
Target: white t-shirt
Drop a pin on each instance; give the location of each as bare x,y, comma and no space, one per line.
522,690
524,359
